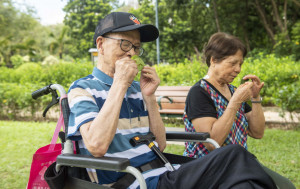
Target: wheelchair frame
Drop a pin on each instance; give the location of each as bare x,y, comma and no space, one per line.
67,158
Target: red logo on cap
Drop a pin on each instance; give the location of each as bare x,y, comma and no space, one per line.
134,19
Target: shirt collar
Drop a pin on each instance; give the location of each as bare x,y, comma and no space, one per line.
102,76
107,80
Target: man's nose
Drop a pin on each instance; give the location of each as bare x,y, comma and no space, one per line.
131,52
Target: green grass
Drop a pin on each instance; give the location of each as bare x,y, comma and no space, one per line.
19,141
278,150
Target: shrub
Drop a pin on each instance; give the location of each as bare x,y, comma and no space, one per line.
280,74
50,60
184,74
16,60
29,73
15,98
281,77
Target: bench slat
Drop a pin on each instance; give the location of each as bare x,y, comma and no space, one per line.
173,88
171,111
178,95
172,106
171,93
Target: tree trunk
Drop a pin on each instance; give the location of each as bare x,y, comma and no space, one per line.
285,15
264,21
197,53
216,15
244,28
278,20
277,17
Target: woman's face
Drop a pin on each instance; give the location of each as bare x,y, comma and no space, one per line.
229,68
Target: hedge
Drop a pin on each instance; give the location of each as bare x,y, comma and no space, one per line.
281,77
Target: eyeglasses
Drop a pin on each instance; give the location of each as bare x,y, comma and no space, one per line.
126,46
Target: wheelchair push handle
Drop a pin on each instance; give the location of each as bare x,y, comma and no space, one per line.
46,90
55,99
148,140
41,92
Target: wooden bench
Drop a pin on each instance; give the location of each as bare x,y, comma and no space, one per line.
171,100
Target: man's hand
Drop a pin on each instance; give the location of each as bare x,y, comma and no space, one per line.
257,84
125,71
149,81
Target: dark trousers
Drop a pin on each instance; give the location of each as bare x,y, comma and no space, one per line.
227,167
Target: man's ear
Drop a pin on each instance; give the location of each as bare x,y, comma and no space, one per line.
99,42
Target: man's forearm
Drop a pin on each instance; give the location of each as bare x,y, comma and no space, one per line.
100,132
155,121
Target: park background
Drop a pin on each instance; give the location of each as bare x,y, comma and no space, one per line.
33,55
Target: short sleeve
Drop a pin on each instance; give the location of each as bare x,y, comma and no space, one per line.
83,109
199,103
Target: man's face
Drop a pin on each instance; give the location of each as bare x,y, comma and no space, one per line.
112,50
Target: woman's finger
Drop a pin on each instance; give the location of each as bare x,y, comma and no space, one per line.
252,77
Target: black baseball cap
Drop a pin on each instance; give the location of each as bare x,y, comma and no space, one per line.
123,21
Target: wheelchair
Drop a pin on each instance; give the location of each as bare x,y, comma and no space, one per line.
69,170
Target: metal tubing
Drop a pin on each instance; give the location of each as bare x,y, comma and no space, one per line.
138,175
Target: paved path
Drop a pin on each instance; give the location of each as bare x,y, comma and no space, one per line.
272,114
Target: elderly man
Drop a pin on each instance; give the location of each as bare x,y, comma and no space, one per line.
108,108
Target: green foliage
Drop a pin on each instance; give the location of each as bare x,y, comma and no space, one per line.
288,97
186,25
82,17
21,34
16,60
285,47
59,41
184,74
140,63
65,73
15,97
281,77
16,85
50,60
29,73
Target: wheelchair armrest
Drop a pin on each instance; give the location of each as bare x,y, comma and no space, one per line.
190,137
186,136
85,161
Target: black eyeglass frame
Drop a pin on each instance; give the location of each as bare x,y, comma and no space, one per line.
141,50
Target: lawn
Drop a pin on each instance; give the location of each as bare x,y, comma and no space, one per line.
278,150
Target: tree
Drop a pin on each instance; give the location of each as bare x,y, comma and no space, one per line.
59,40
82,17
18,32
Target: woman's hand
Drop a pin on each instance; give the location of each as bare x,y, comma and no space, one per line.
243,93
257,84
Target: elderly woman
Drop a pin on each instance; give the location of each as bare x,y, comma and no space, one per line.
215,106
